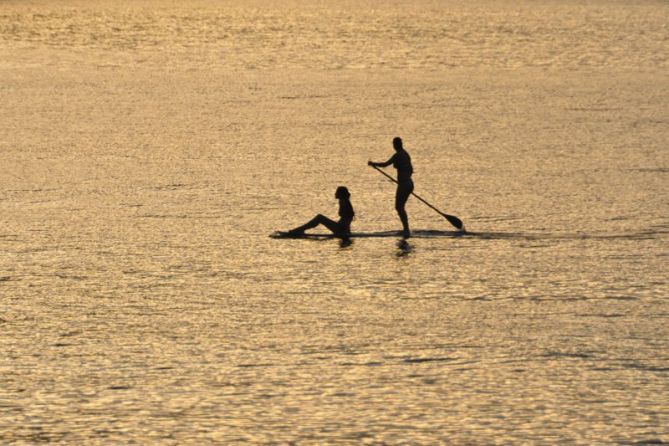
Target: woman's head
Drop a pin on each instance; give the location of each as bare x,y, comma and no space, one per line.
397,143
342,192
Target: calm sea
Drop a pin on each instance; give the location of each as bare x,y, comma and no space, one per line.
148,150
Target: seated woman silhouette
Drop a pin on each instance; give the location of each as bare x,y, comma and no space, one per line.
341,228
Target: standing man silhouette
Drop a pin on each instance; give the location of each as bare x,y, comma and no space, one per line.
402,162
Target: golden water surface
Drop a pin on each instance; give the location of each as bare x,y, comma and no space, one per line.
149,148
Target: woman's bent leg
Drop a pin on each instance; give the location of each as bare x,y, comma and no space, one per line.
332,225
320,219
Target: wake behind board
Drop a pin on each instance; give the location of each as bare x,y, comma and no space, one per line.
420,233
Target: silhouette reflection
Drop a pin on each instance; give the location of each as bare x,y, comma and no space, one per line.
404,248
345,242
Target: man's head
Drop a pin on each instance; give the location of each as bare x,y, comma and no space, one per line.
397,143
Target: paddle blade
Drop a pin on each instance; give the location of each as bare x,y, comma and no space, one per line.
455,221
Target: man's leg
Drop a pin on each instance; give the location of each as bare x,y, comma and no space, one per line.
400,202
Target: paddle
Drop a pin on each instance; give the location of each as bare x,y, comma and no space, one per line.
452,219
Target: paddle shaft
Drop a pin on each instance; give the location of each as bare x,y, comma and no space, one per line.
455,221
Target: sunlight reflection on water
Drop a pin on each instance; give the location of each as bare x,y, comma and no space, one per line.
144,301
